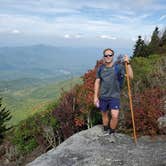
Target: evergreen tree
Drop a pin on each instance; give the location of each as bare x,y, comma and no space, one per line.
154,43
4,117
140,48
163,39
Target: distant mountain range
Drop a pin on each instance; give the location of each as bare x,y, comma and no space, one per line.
43,63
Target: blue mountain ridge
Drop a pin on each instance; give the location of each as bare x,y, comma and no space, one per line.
46,61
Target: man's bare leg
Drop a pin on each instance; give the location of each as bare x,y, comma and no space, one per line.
114,119
105,118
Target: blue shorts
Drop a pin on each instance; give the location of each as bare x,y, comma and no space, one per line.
109,104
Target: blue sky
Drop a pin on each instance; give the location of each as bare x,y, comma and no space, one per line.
99,23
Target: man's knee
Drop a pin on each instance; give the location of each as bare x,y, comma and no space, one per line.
115,114
104,114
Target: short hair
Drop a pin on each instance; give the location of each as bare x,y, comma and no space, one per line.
107,50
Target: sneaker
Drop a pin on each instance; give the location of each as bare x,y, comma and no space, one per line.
105,132
111,138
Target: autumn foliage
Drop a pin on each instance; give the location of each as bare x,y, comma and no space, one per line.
74,112
148,107
67,113
89,80
75,106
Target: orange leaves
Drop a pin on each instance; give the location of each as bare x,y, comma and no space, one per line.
79,122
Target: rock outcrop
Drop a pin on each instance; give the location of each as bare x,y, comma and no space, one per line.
162,123
90,148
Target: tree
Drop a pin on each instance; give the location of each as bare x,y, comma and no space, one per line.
163,42
163,38
140,48
154,43
4,117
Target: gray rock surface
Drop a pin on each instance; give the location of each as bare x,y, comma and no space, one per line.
90,148
162,123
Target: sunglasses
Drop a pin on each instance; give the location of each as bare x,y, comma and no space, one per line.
110,55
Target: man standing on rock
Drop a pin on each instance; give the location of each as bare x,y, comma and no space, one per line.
107,89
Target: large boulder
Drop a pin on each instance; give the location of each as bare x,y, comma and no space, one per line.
162,123
91,148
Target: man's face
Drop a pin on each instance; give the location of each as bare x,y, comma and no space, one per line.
108,56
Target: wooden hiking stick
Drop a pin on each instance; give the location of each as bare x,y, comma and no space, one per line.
131,105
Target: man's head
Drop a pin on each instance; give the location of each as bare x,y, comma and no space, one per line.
108,55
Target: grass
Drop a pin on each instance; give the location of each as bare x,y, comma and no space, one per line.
25,102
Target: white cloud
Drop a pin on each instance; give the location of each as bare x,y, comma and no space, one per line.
108,37
15,31
67,36
75,26
163,17
42,6
144,16
74,7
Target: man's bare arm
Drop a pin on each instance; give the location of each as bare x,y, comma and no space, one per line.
96,90
130,71
129,68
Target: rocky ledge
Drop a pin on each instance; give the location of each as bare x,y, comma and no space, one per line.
91,148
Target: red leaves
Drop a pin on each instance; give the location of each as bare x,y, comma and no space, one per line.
88,86
148,107
79,122
72,111
66,113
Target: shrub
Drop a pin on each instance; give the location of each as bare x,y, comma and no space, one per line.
30,133
24,136
148,72
68,112
148,107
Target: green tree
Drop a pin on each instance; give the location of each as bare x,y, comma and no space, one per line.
163,42
154,43
163,38
140,48
4,117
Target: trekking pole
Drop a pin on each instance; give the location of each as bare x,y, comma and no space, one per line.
131,105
